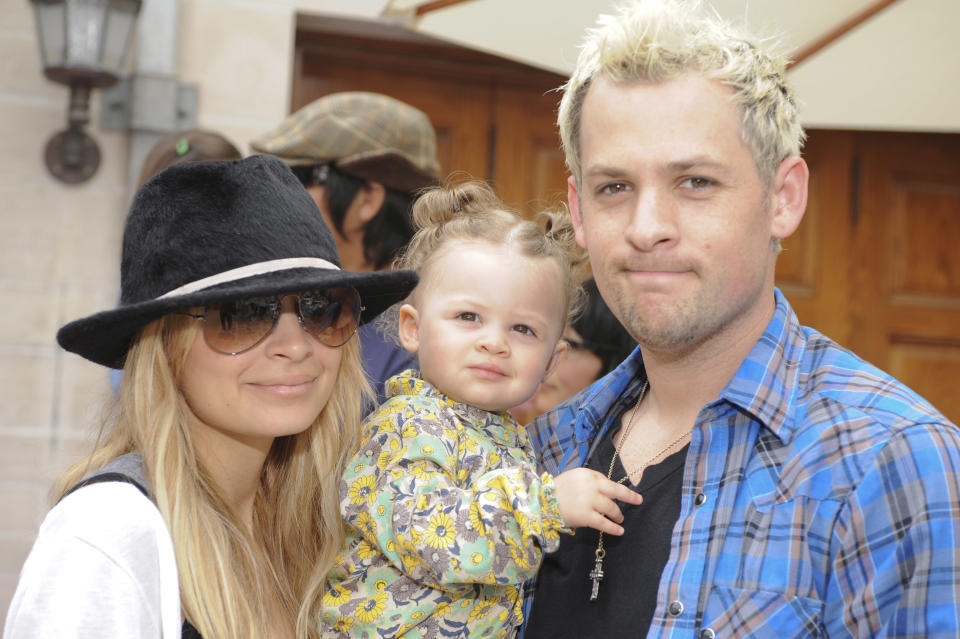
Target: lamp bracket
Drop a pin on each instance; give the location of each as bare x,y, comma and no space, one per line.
149,102
72,156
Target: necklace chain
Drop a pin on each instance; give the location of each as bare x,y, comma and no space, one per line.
626,433
597,573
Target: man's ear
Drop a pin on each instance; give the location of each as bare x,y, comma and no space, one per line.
369,200
790,193
408,328
573,202
558,352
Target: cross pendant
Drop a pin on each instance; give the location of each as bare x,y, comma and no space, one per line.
597,576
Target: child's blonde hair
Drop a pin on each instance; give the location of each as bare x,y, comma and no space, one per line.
471,211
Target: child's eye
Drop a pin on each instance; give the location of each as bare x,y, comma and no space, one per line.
526,330
467,316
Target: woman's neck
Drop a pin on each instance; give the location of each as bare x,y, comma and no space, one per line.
235,464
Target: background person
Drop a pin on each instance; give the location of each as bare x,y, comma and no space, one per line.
813,495
447,514
240,402
362,156
194,145
596,344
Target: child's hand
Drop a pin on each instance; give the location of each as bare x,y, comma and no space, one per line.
586,499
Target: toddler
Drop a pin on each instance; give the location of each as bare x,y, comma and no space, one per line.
446,514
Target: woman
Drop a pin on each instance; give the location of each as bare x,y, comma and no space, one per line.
240,400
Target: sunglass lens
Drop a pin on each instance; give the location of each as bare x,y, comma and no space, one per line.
236,326
331,315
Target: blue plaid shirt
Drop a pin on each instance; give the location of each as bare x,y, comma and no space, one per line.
821,497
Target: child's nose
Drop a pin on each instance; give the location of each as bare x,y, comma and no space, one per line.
493,340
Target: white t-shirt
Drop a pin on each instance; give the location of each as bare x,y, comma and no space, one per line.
102,566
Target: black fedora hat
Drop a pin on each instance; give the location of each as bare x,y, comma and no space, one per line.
202,233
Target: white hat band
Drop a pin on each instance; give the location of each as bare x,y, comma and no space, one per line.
250,270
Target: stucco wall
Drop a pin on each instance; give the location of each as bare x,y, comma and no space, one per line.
58,257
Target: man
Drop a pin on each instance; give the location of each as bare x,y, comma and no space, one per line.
362,156
790,488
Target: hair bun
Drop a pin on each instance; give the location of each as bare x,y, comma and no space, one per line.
437,206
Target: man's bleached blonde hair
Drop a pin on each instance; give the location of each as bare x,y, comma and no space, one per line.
658,40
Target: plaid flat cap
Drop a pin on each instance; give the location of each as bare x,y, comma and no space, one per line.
369,135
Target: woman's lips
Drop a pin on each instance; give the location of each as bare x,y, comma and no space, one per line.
285,387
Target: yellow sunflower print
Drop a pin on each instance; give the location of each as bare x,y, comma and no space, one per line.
362,490
365,550
335,596
371,609
442,531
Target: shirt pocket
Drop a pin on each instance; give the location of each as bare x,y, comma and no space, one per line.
732,613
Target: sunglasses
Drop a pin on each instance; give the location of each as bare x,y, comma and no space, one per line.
330,315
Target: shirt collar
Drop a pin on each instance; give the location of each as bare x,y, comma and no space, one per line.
765,385
501,427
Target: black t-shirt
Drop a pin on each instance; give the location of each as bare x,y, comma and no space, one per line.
631,567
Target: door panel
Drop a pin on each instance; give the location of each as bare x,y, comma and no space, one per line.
813,269
529,172
494,118
885,213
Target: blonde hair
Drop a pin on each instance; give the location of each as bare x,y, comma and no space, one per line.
658,40
226,575
471,211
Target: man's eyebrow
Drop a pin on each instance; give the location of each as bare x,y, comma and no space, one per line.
676,166
702,162
603,170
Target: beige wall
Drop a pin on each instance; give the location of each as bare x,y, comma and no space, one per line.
59,245
58,251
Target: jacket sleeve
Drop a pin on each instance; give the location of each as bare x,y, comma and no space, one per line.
410,497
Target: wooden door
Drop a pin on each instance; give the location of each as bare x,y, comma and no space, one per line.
875,263
494,118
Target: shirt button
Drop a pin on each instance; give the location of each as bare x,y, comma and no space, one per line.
675,608
707,633
700,499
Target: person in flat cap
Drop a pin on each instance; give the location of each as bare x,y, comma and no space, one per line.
209,506
363,157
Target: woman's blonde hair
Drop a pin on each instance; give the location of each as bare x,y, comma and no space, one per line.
227,576
471,211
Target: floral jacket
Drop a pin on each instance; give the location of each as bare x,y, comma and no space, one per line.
447,517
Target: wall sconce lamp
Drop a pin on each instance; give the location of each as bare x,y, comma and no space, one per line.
83,44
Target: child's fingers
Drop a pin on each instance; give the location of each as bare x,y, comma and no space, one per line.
613,490
608,509
604,525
